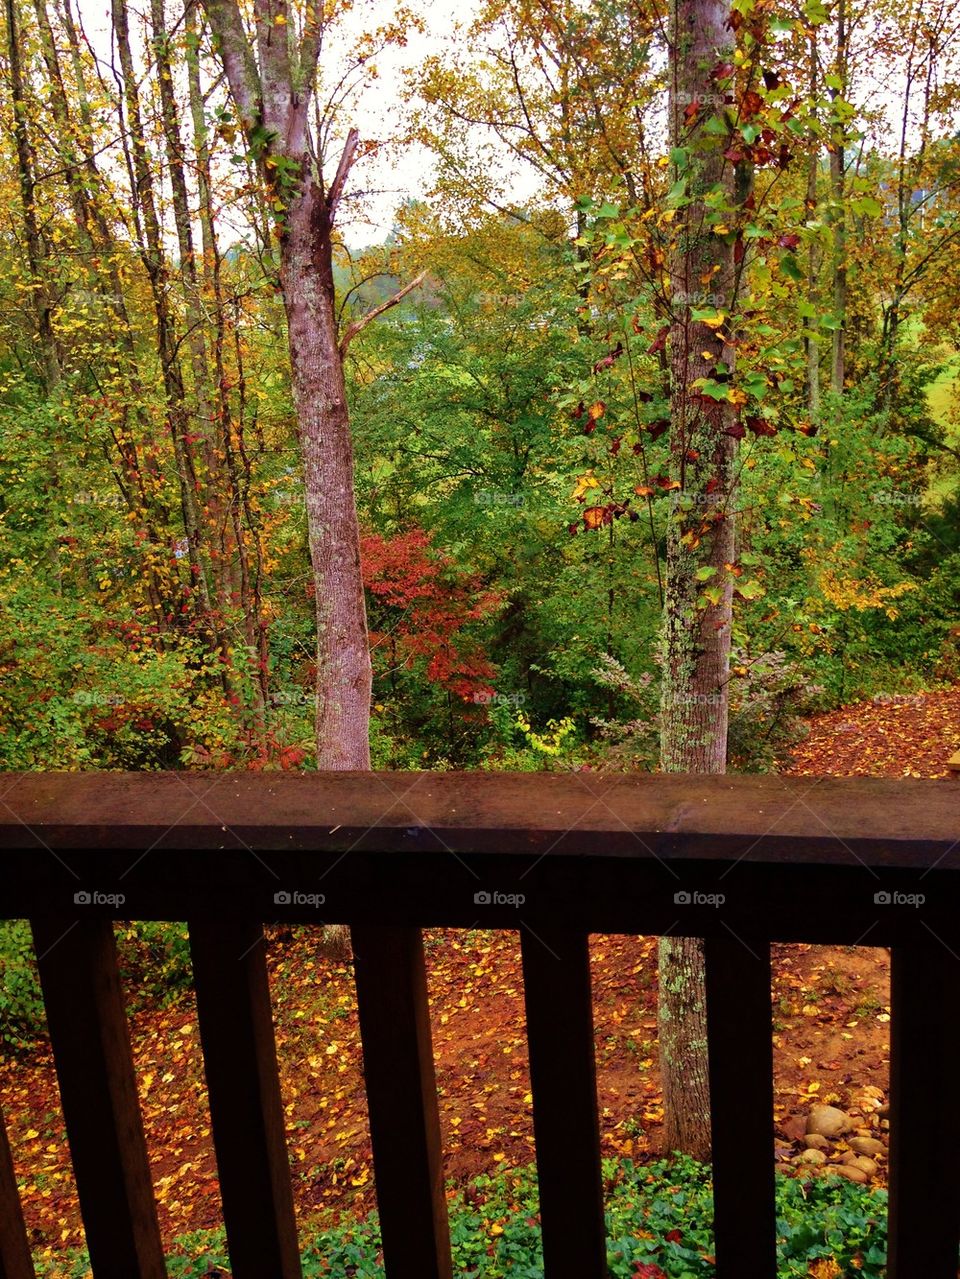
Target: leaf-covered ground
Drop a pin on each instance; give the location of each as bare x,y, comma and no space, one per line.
830,1007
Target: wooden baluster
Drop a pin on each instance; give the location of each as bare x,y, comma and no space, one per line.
402,1101
740,1038
924,1205
559,1003
77,960
240,1058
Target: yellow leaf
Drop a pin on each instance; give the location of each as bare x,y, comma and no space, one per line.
30,1134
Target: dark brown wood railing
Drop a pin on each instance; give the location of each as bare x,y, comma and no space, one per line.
739,861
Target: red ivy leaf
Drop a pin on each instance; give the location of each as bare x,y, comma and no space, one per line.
660,341
760,426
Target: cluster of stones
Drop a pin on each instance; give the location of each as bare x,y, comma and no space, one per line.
848,1143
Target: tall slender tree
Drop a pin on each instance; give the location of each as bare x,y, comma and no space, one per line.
700,539
272,78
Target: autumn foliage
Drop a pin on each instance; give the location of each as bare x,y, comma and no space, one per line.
422,608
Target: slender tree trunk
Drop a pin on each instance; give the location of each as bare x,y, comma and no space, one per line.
272,82
813,260
141,481
838,184
344,676
153,254
700,540
233,543
42,306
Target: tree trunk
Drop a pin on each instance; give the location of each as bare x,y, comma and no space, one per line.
271,87
344,675
36,255
838,184
812,344
700,538
236,483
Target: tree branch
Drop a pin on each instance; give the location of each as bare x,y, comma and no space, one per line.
343,169
359,325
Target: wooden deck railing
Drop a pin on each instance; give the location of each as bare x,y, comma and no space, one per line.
739,861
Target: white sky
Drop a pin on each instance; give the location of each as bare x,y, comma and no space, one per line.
396,174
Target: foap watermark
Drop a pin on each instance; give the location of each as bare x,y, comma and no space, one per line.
896,497
499,299
495,898
485,698
699,298
697,699
496,497
896,898
704,99
696,898
293,697
94,897
90,697
682,501
95,497
293,897
897,699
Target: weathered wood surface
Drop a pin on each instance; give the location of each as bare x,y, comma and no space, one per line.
805,857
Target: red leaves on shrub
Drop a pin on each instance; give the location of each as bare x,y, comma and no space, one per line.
426,605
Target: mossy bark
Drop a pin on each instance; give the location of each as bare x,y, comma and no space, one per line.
700,540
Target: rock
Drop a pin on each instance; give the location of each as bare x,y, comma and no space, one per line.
811,1157
793,1127
850,1172
865,1165
848,1157
828,1121
815,1141
868,1146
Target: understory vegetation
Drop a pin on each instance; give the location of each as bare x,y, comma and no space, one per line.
658,1227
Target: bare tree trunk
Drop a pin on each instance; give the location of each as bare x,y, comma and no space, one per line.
344,675
153,254
700,541
236,484
838,184
42,306
813,260
271,80
88,200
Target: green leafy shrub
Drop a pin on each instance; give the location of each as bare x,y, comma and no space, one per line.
154,960
21,1002
154,965
659,1226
